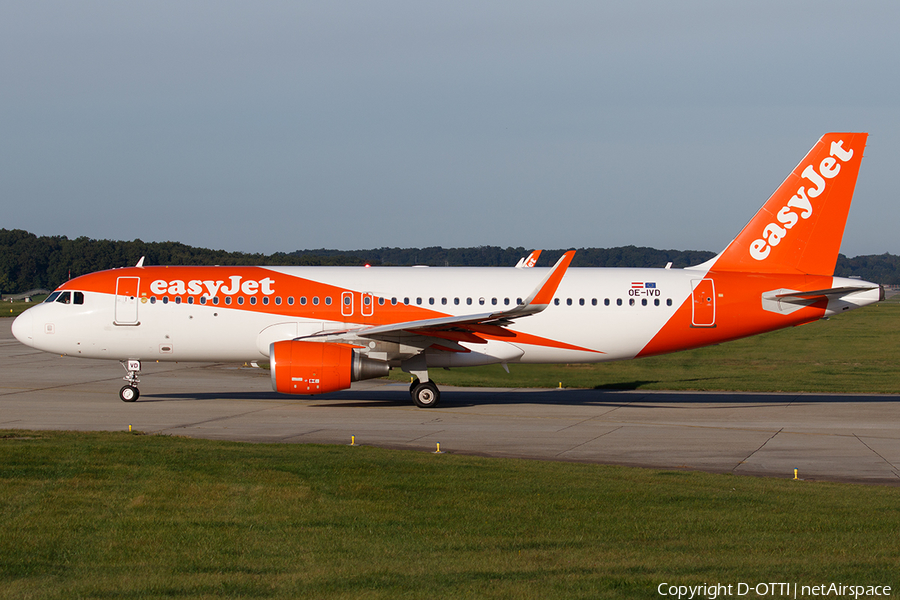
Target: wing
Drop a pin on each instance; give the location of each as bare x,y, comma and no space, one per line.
447,332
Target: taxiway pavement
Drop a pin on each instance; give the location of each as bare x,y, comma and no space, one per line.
825,437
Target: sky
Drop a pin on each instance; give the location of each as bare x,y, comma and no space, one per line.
275,126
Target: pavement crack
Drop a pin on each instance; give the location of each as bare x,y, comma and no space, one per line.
213,420
875,452
426,435
597,437
299,435
746,458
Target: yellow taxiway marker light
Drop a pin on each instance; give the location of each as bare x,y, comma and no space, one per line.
795,473
129,428
560,385
352,440
438,451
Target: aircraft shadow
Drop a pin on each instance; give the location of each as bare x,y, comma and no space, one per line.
462,398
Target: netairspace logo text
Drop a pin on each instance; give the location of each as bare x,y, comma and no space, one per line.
771,590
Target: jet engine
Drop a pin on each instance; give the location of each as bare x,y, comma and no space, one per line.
318,368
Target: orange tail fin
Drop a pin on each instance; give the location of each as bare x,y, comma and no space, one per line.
799,229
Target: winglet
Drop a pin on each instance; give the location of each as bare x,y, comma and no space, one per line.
529,261
543,294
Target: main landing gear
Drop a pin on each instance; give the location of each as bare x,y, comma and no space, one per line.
424,395
130,392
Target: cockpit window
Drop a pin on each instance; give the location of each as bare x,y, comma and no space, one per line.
66,297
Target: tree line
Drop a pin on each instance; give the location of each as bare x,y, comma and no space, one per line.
28,261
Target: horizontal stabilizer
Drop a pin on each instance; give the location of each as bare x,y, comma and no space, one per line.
837,292
789,301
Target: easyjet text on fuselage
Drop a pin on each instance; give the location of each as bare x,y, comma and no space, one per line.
210,288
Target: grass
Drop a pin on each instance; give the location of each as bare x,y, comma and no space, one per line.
115,515
14,309
856,352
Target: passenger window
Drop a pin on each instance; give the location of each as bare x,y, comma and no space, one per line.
593,302
506,301
265,300
302,300
581,302
468,301
494,301
202,299
215,300
277,300
178,299
152,299
190,299
656,302
431,301
556,301
643,302
456,301
327,300
481,301
253,300
418,300
631,302
568,302
241,300
315,300
165,299
618,302
290,301
668,302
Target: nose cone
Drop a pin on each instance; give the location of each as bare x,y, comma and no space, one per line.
23,328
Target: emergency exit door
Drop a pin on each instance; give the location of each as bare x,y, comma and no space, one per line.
704,305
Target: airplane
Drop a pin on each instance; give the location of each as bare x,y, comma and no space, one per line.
322,328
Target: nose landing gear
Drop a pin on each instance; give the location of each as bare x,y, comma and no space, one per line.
130,392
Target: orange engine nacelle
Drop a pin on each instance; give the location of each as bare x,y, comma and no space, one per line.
319,367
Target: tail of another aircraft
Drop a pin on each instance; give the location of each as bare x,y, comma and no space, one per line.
799,229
